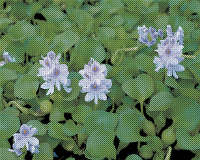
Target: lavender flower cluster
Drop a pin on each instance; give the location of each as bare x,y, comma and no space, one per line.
94,81
7,58
170,49
25,138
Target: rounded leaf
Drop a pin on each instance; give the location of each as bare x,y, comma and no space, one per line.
36,45
26,87
100,143
100,119
7,75
161,101
70,129
139,88
133,157
41,129
9,125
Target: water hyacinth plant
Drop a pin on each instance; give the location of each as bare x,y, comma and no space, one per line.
94,81
82,79
25,138
54,73
170,51
7,58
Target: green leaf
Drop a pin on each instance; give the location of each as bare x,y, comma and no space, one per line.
56,115
4,22
71,129
133,156
9,125
57,15
11,111
32,9
133,87
89,47
67,39
155,143
100,119
186,74
196,33
80,113
186,141
55,130
117,92
36,45
4,143
74,3
195,69
65,106
18,11
46,27
170,81
7,75
26,87
41,129
45,152
106,34
16,50
161,101
75,90
128,128
190,47
187,26
9,155
100,143
191,92
21,31
14,66
185,112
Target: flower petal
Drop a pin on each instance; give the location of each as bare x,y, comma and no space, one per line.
20,143
58,85
102,96
89,96
96,99
33,141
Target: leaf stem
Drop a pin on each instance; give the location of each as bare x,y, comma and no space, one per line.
165,76
113,107
169,153
141,107
138,145
187,56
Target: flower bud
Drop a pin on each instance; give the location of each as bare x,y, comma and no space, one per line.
46,106
148,128
168,136
145,152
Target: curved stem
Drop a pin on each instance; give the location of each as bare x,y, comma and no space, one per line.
113,106
169,153
187,56
95,107
23,109
141,107
165,76
138,146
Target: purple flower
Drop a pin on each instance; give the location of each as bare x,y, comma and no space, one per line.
169,56
94,81
54,73
176,36
147,36
24,138
7,57
160,33
96,91
58,75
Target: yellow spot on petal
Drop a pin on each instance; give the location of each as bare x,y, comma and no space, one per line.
24,131
166,42
47,62
167,51
94,86
86,75
152,30
56,72
95,68
51,55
